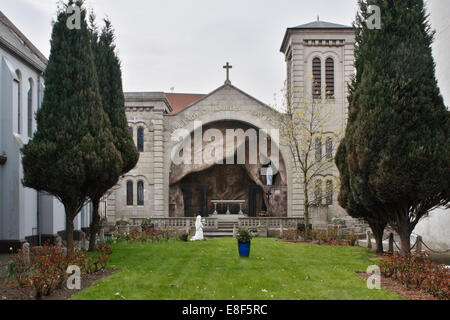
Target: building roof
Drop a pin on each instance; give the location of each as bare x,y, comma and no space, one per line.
321,25
315,25
15,41
179,101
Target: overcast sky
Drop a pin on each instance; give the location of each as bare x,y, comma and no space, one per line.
184,43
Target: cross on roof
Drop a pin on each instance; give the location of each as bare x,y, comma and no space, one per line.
228,67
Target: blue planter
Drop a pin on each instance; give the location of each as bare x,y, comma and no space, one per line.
244,249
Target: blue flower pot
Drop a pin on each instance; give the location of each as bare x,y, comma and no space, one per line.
244,249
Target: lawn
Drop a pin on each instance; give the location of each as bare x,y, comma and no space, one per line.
213,270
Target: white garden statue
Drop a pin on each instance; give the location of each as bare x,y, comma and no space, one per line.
198,229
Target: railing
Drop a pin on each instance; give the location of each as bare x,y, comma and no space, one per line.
178,222
270,223
212,223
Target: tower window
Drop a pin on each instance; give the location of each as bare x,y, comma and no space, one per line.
329,78
329,148
317,78
140,193
329,192
130,131
129,193
140,139
318,192
318,143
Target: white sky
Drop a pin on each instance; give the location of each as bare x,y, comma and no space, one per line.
184,43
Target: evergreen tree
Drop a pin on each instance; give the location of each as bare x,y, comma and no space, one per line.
73,145
110,84
347,200
398,145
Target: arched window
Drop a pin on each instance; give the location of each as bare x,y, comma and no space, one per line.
318,147
318,192
30,107
19,104
329,192
329,148
140,193
329,78
129,193
130,130
317,78
140,139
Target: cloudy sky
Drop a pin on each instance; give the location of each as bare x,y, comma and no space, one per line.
184,43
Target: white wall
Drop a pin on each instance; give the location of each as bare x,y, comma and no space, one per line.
435,229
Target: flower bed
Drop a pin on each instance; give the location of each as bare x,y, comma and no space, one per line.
417,271
44,269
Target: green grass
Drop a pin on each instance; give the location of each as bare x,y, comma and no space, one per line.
213,270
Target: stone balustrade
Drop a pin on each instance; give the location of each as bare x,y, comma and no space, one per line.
270,223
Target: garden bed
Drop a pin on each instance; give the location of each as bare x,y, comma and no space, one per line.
9,293
396,287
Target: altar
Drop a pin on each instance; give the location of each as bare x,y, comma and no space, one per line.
228,202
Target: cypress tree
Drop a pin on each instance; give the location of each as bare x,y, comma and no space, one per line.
398,146
110,83
73,145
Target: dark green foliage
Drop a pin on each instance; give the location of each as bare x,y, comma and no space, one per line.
73,145
397,144
110,85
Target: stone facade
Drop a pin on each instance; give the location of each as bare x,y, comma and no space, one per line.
152,112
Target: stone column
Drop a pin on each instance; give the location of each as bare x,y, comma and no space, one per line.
158,164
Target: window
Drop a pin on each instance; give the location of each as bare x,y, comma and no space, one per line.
140,139
140,193
30,107
329,147
19,104
329,78
129,193
317,78
130,130
329,192
318,192
318,143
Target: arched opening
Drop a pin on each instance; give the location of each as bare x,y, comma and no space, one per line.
232,175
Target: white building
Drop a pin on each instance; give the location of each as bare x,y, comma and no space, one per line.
24,213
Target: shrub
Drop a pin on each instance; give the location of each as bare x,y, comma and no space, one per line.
44,268
244,235
417,271
290,235
351,238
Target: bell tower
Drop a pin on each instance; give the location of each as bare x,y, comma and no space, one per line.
319,62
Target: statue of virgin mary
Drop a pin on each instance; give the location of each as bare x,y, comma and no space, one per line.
198,229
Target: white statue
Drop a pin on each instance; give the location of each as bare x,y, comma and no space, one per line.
269,175
198,229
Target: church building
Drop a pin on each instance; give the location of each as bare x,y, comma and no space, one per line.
159,188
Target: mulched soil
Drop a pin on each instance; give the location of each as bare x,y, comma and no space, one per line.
396,287
8,293
321,243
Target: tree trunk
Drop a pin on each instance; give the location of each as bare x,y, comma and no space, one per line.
405,237
306,211
378,230
95,224
69,230
402,227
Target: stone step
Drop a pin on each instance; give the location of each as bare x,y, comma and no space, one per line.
217,234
